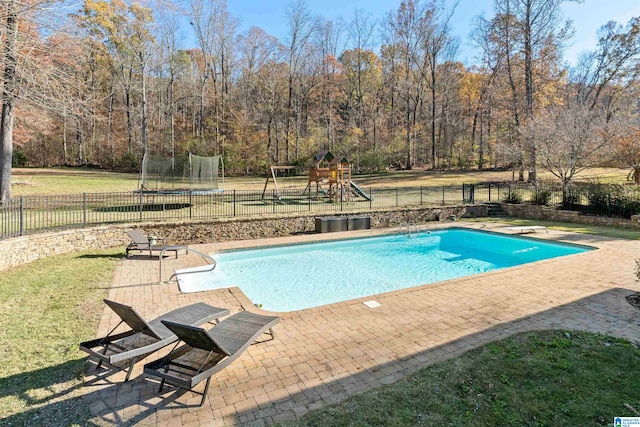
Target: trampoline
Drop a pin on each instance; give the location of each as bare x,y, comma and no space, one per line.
189,174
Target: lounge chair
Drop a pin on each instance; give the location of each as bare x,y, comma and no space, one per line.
207,352
144,337
141,242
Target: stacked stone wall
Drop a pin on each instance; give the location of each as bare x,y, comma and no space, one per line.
25,249
552,214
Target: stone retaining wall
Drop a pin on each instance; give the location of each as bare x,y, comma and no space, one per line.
22,250
552,214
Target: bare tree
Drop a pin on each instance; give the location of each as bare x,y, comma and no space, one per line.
301,28
439,47
569,139
23,28
215,30
169,44
9,95
612,66
403,32
330,41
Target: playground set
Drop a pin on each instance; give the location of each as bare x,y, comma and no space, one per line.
329,175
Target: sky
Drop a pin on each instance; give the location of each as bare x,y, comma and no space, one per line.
587,17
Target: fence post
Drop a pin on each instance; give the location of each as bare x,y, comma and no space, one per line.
273,198
489,191
341,198
443,195
84,209
397,204
421,194
140,205
21,216
190,204
309,197
234,202
370,198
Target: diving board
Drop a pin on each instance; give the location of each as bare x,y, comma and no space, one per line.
527,229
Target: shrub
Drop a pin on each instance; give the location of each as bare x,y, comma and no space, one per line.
372,162
513,197
571,198
542,195
19,158
130,162
611,200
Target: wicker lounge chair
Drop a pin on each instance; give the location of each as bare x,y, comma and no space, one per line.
141,242
207,352
144,337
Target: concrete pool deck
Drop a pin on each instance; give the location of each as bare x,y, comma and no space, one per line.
326,354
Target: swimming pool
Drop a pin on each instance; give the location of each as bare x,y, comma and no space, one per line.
295,277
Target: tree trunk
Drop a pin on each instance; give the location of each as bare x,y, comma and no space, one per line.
8,100
433,112
110,140
127,97
408,136
143,108
64,137
528,79
288,114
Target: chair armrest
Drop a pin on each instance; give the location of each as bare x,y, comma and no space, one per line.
155,240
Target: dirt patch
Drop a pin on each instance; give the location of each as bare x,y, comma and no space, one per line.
634,300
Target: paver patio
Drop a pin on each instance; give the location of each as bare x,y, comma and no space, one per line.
324,355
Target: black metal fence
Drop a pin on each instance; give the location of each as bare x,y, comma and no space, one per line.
33,214
592,199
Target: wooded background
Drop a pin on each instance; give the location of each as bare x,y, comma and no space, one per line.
103,82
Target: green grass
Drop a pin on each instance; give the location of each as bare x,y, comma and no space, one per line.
547,378
613,232
47,308
54,181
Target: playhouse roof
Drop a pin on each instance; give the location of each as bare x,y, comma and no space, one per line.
339,160
323,155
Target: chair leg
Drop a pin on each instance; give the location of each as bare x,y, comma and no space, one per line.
133,361
206,389
161,386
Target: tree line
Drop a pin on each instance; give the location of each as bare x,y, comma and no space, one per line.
106,82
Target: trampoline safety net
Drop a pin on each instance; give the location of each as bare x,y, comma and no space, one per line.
189,172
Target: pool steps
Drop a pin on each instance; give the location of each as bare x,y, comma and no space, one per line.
204,256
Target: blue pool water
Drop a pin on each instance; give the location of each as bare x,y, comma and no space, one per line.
294,277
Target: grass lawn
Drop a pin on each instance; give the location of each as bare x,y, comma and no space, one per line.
47,308
41,181
616,233
547,378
